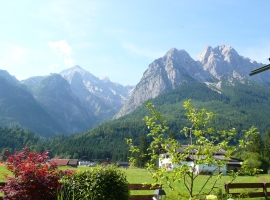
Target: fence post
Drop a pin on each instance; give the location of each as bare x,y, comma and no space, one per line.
265,191
227,188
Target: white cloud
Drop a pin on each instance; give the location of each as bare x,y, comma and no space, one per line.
141,52
64,51
61,47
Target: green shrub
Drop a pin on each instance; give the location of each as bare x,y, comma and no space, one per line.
98,183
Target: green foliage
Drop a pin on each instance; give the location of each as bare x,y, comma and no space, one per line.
142,156
267,146
105,141
257,153
32,177
257,145
238,107
98,183
204,142
16,139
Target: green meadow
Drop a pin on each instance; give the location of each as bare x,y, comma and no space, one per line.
135,175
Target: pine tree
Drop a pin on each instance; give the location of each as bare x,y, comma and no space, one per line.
142,157
257,145
267,146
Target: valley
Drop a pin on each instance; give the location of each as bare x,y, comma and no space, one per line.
75,114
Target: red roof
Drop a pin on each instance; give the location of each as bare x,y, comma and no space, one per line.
60,162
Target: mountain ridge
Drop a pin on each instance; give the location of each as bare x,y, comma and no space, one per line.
93,100
75,100
212,66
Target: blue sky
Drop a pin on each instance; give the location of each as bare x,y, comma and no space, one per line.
119,39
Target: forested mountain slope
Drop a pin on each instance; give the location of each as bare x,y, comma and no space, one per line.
241,107
15,139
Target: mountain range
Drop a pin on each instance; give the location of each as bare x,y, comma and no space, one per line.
75,101
214,67
70,102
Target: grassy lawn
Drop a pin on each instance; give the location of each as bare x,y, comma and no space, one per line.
143,176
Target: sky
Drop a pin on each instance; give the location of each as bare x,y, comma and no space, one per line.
119,39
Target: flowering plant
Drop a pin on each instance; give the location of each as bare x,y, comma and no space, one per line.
211,197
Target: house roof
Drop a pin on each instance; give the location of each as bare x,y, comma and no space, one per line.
234,163
73,161
229,161
60,162
182,149
184,146
84,158
235,160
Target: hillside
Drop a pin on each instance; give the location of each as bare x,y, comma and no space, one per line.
241,107
19,108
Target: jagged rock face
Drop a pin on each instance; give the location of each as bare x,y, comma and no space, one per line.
76,99
213,66
224,61
162,75
100,96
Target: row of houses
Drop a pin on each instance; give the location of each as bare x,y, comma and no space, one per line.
165,161
86,162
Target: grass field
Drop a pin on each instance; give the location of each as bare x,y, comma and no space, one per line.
143,176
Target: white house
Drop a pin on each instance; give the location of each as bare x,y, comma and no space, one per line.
165,160
84,161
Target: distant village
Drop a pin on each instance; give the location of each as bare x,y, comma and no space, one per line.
85,161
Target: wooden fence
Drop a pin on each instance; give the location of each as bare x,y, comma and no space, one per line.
142,187
251,190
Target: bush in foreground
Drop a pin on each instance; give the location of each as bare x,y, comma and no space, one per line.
98,183
33,177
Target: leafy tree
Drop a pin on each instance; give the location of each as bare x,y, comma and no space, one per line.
257,145
255,154
33,177
172,135
267,146
204,143
254,160
141,155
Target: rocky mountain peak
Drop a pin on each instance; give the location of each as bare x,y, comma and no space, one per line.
212,66
224,61
204,55
164,74
173,53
